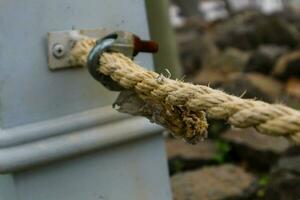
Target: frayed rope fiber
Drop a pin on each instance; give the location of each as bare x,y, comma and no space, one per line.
270,119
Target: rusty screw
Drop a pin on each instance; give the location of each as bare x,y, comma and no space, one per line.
144,46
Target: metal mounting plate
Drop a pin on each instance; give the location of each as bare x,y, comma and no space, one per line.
60,44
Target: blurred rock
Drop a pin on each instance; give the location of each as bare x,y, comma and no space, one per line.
283,185
195,23
264,59
210,77
209,49
293,87
253,85
284,180
213,183
183,156
266,84
291,164
290,101
196,51
294,150
288,65
203,151
230,60
259,151
190,51
249,30
235,84
187,8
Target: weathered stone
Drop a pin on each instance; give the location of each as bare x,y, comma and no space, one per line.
293,150
293,87
283,185
195,23
249,30
213,183
267,85
291,164
205,150
264,58
196,50
190,51
259,151
209,50
284,181
188,8
290,161
288,65
214,78
228,61
253,85
291,101
183,156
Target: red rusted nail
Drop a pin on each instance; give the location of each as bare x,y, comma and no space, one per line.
144,46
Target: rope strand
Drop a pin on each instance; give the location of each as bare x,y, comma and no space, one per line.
270,119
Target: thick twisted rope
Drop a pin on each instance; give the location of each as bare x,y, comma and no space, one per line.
270,119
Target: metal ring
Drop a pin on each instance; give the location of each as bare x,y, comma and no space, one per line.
101,46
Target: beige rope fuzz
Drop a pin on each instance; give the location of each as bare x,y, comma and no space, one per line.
270,119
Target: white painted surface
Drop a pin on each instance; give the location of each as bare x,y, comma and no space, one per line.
29,92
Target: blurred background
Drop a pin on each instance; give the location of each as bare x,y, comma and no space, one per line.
249,48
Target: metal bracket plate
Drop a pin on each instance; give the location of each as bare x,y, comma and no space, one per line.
60,44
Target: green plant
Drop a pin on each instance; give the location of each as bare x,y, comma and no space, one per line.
263,180
262,183
223,149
